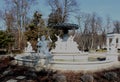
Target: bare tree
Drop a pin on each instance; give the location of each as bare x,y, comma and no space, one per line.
96,26
116,27
18,9
108,25
83,36
9,20
79,20
84,28
63,7
91,30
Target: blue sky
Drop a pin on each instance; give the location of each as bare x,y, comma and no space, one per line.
103,8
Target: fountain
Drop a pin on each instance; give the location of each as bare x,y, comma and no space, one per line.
66,44
32,59
66,55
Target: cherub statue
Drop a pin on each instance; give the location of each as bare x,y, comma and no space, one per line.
43,45
29,47
71,38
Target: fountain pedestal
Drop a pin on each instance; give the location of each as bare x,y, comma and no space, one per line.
66,44
66,47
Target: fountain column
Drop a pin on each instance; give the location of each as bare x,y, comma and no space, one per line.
65,44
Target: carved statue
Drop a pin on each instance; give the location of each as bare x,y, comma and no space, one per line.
71,38
43,45
58,38
29,47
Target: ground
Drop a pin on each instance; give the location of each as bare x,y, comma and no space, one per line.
10,71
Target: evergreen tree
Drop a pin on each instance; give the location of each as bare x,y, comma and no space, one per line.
6,40
35,29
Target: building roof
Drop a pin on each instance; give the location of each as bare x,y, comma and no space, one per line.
113,35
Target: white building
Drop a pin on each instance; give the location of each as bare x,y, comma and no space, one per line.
113,42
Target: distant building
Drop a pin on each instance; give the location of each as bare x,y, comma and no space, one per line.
113,42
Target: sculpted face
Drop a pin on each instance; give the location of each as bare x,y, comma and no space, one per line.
42,38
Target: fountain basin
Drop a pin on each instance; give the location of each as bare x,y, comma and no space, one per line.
83,61
32,59
26,59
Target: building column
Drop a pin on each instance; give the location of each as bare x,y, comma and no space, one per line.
118,43
108,44
114,41
113,48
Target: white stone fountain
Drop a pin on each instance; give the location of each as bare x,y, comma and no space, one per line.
66,55
68,47
77,61
32,59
